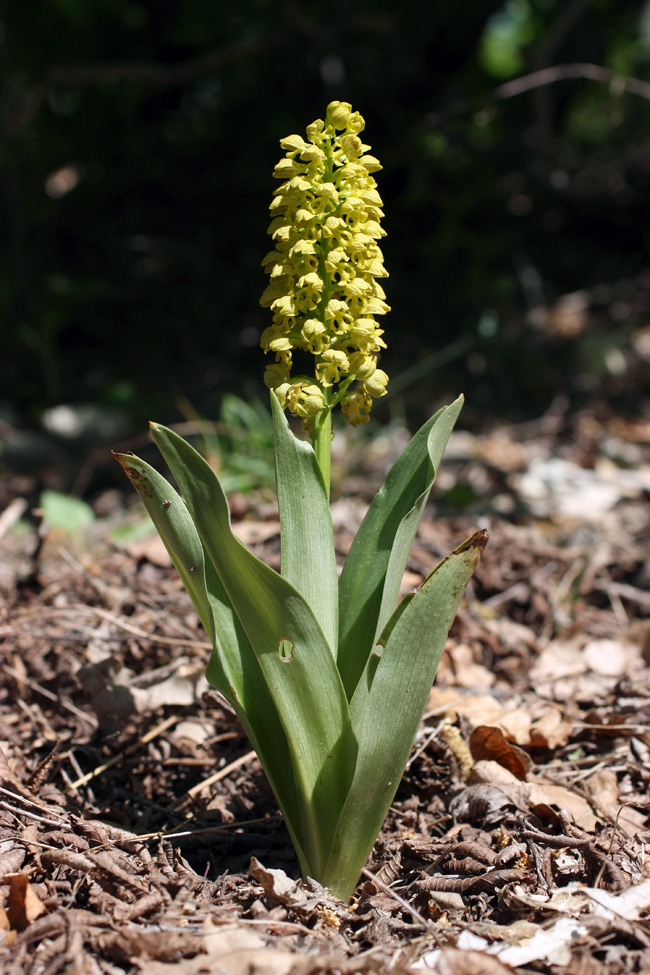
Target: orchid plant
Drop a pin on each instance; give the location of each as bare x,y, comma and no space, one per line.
328,676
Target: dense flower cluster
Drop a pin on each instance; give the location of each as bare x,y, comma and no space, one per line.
324,292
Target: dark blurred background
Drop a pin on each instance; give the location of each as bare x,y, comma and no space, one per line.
138,141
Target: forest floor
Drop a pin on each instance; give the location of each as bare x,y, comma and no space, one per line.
138,832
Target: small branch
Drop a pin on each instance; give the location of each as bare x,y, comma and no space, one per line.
567,72
415,914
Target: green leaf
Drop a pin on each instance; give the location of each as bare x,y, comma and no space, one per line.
308,557
386,714
68,514
306,689
255,708
169,514
233,668
371,577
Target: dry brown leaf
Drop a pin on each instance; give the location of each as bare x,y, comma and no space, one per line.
276,884
451,961
611,658
539,723
24,904
603,788
4,920
467,672
487,772
255,532
152,549
487,743
477,708
551,730
546,799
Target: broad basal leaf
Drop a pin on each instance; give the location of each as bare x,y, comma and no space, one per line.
371,577
388,705
293,654
233,668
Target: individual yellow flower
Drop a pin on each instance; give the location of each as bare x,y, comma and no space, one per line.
362,365
314,336
356,407
325,267
333,363
305,400
376,384
275,375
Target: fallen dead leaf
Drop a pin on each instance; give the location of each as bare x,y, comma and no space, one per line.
490,744
152,549
468,673
23,905
276,884
117,693
630,903
603,788
255,532
540,724
451,961
546,799
611,658
551,730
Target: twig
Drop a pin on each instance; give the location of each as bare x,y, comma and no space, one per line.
175,833
143,635
150,735
14,510
631,593
30,815
222,774
91,719
415,914
568,72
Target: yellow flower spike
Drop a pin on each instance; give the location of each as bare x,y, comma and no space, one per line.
325,269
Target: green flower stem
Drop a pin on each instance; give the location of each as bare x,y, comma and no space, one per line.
323,444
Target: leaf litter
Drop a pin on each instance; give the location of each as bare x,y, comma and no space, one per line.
138,832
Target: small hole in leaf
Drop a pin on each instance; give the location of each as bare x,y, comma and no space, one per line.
285,651
377,650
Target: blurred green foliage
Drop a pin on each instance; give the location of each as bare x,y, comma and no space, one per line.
138,141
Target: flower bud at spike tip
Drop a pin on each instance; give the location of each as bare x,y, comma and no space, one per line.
325,268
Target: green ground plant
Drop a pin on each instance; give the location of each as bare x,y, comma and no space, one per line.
328,676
